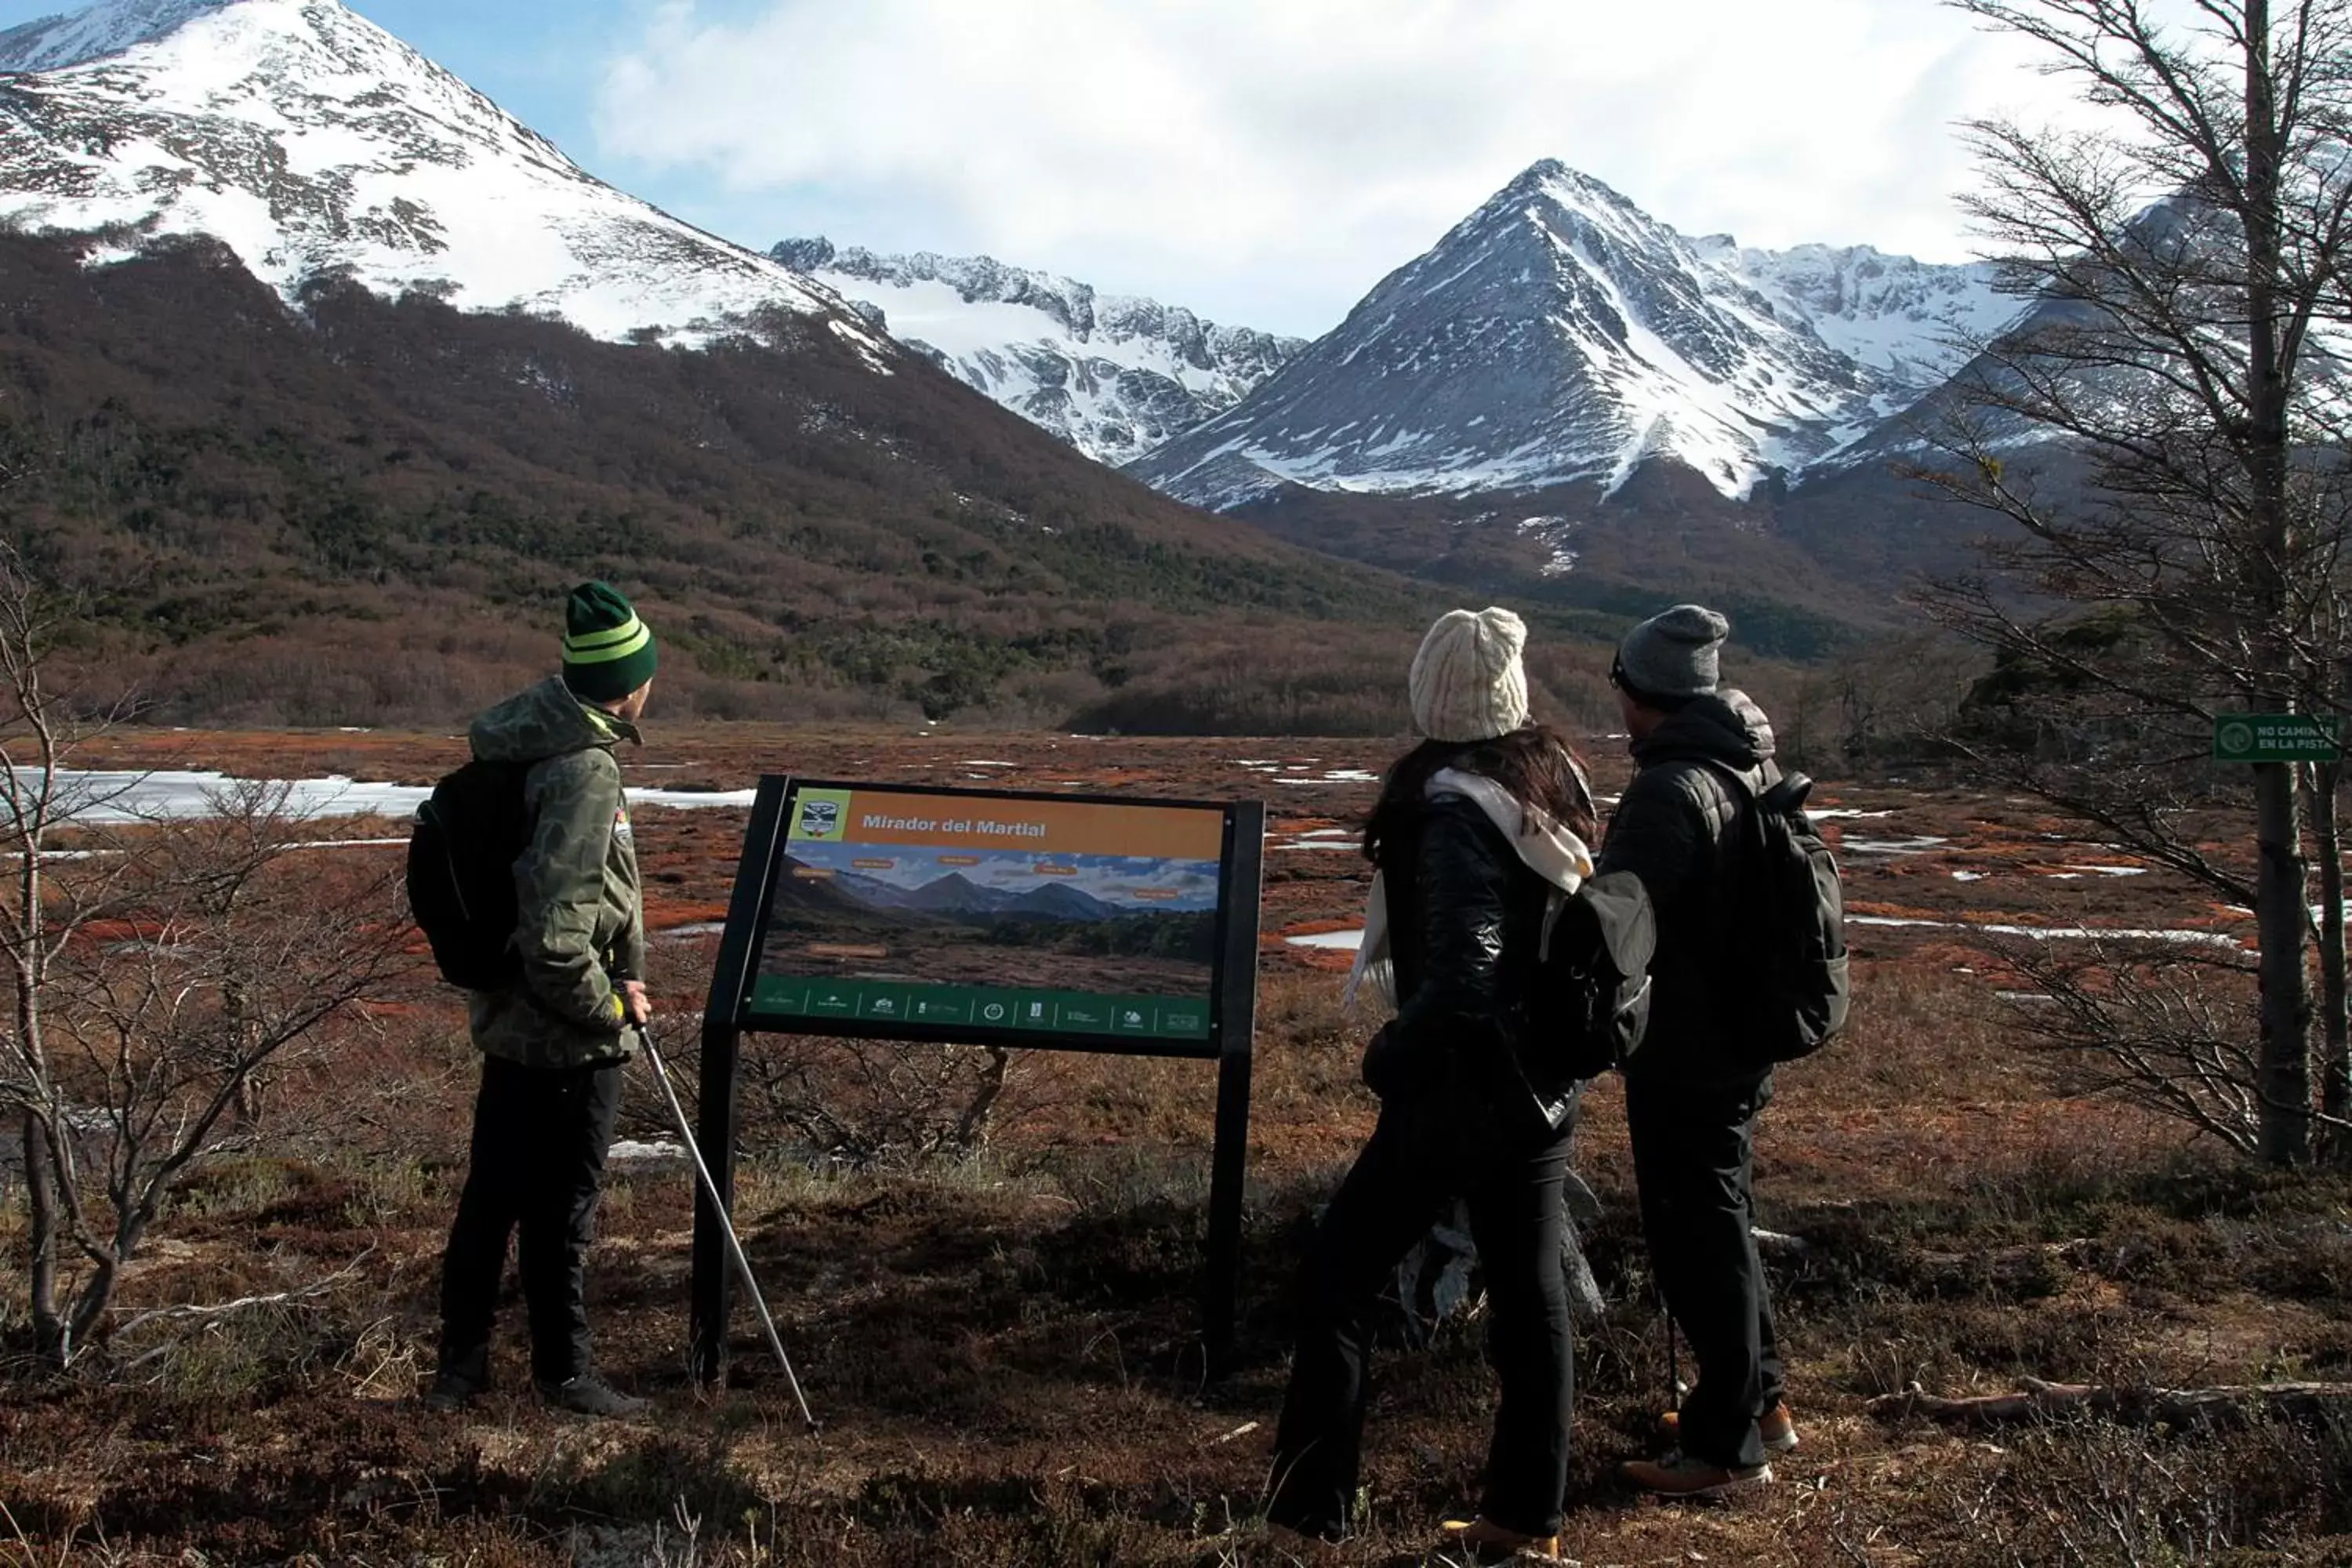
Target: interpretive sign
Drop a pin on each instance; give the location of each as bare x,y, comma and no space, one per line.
993,916
936,916
2277,738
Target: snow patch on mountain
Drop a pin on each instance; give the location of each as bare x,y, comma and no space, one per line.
314,143
1113,374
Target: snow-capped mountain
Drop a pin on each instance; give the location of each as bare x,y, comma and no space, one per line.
313,142
1112,374
1561,333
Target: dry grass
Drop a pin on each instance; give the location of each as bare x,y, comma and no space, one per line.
1004,1346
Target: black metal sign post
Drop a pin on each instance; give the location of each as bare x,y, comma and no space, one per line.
740,1001
731,982
1221,1280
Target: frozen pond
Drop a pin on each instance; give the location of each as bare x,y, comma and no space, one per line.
106,797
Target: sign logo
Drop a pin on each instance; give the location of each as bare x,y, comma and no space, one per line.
820,816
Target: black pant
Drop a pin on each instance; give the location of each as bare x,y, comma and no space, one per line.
1395,1191
1693,1155
537,1164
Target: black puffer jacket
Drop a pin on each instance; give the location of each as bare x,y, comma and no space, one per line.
1675,830
1466,921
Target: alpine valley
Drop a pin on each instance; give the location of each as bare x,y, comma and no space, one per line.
302,339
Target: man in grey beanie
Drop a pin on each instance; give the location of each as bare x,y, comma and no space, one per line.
1702,752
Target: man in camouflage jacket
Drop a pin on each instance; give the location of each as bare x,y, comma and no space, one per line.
554,1039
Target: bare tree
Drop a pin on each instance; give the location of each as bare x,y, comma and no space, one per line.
2164,434
152,969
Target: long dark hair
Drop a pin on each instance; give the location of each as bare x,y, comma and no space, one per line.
1534,762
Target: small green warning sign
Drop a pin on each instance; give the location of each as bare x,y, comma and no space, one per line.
2277,738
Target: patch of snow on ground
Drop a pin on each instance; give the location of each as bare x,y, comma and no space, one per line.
2055,933
631,1154
1344,941
101,797
1915,846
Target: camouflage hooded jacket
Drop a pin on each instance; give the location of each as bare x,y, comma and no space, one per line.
582,929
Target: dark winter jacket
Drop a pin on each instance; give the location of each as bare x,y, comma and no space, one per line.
1465,920
1676,830
582,927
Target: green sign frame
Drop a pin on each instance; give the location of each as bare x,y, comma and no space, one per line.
2278,738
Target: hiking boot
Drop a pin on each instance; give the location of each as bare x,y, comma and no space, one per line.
1482,1541
459,1381
1776,1426
1679,1475
590,1394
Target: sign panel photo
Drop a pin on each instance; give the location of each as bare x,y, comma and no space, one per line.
1043,917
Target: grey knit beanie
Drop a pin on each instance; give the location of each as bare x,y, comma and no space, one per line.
1676,654
1467,681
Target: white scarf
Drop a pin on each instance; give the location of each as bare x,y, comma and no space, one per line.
1543,845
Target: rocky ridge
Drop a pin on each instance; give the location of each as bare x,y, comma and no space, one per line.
1113,374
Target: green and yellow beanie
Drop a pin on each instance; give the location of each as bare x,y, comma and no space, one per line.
607,651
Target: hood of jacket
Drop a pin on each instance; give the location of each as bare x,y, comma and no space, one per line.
544,722
1725,726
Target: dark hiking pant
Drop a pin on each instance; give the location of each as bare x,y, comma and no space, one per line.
1391,1196
537,1165
1694,1156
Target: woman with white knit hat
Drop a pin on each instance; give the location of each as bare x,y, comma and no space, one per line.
1476,829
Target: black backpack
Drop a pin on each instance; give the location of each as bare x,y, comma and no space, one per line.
1592,992
461,857
1788,941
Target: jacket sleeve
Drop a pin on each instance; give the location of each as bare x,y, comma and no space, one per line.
1657,835
559,886
631,963
1464,896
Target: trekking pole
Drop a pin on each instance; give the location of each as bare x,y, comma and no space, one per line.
726,1223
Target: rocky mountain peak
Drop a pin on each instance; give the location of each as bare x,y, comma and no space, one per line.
314,143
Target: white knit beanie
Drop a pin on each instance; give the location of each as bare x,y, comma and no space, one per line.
1467,681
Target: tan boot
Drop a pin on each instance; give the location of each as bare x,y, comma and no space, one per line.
1678,1476
1482,1541
1776,1426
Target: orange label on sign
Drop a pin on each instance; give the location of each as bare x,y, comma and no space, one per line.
1044,827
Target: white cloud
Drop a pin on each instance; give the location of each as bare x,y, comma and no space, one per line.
1268,162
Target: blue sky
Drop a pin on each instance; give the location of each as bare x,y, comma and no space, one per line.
1264,164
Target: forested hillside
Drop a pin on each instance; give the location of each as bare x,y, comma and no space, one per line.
356,511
